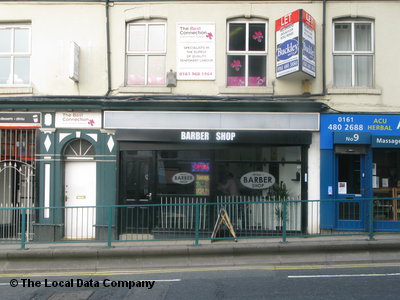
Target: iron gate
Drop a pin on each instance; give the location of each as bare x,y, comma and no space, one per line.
17,180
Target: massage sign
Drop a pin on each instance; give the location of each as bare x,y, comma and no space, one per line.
295,44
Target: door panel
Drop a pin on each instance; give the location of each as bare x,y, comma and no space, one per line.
80,191
350,191
137,181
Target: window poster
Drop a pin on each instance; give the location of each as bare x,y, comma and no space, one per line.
342,187
202,185
195,51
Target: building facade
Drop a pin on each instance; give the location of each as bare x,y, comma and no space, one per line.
142,102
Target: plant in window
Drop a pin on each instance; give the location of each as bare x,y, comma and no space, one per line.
280,193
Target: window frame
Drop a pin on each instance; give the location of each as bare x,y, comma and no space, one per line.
12,54
247,52
353,53
146,53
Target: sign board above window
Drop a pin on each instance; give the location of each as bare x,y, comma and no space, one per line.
295,44
20,120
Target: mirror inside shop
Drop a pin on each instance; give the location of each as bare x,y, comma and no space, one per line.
235,171
386,184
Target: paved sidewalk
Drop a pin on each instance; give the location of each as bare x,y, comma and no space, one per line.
92,257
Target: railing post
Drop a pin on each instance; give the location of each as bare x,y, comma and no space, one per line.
284,219
23,227
109,228
371,219
197,224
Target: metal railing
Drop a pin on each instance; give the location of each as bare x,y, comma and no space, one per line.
193,218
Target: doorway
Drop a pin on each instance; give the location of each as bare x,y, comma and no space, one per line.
137,188
351,189
80,191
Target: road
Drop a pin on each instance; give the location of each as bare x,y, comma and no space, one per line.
367,281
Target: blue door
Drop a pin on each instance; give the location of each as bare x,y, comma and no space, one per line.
350,191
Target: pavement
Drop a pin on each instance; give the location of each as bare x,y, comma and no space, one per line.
96,257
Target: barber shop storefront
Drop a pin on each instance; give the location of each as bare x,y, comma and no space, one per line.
181,158
360,167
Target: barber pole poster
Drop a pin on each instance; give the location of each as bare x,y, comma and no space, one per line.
295,43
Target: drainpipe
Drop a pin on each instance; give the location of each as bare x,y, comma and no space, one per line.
324,47
108,49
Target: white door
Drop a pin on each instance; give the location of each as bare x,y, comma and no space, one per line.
80,192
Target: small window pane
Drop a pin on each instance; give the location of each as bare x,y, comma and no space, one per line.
342,37
21,37
5,40
136,70
363,70
236,70
342,70
156,74
21,70
5,65
237,37
257,37
257,71
156,37
363,37
137,38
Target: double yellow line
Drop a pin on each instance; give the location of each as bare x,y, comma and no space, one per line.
197,269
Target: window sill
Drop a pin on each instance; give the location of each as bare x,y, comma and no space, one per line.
355,91
16,90
144,89
245,90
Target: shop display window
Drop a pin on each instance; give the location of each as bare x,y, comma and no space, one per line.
386,184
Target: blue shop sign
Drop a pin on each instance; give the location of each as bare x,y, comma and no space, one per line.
384,141
375,125
351,137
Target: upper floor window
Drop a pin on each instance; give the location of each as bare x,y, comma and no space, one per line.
247,53
353,54
15,54
145,53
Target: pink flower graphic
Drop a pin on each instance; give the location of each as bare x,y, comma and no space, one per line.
91,122
258,36
236,64
209,35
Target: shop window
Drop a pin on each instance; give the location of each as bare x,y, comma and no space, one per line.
386,184
145,53
353,53
259,171
247,53
15,54
184,172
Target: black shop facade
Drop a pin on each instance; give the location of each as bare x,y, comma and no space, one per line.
177,158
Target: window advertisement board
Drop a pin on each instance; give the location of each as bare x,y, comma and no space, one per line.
295,43
377,130
195,51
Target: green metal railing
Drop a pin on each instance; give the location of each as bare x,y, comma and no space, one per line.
194,219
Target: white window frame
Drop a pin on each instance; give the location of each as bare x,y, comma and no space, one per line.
247,52
353,53
146,53
12,55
